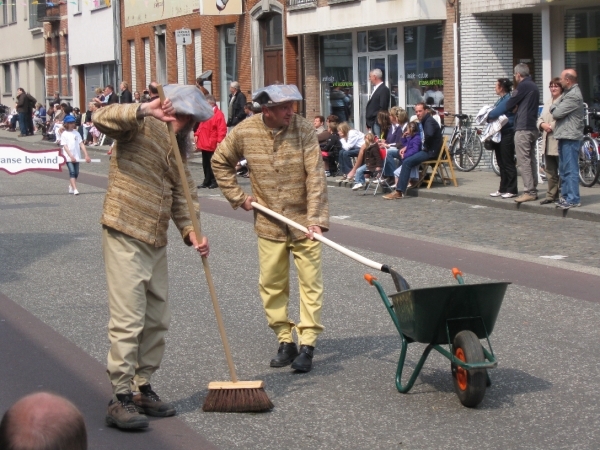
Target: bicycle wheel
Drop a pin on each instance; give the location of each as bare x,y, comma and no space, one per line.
469,155
588,162
495,166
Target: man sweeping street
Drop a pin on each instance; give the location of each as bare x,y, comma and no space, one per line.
287,176
144,193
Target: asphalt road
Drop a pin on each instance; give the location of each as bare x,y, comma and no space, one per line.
53,320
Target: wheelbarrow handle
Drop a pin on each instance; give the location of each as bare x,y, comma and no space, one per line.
361,259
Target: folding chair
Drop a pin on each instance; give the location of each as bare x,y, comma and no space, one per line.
376,178
441,168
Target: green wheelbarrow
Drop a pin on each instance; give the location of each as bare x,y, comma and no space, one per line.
458,315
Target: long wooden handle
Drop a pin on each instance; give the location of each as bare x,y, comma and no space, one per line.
361,259
196,226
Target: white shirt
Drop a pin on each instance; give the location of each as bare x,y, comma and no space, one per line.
375,88
354,139
71,139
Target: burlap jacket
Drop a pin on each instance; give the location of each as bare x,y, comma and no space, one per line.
144,188
286,173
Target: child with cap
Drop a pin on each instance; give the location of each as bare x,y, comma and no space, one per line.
72,145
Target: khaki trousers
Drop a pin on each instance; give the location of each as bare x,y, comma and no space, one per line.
526,157
274,286
137,278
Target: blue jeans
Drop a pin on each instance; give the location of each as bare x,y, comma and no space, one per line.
376,129
23,123
73,169
410,162
345,162
568,169
360,174
389,164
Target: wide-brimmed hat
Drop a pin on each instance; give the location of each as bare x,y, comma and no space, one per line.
276,94
188,100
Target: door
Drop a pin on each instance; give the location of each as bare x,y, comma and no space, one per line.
273,66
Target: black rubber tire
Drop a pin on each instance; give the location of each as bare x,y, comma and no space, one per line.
589,168
495,166
469,385
468,156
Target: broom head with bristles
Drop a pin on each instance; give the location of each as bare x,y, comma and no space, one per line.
243,396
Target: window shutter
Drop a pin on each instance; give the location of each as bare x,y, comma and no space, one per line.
197,52
147,61
180,68
133,66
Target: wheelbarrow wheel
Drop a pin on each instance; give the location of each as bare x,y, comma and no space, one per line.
469,384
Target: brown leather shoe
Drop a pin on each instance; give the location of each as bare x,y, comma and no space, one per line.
525,197
394,195
149,403
124,414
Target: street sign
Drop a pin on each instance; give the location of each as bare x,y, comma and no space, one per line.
183,36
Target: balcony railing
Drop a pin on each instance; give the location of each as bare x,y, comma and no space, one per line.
301,4
48,12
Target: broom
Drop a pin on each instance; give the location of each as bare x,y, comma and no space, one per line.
223,396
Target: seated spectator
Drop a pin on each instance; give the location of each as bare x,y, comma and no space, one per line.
39,117
87,124
137,98
43,421
330,150
352,141
319,122
385,124
13,118
412,147
249,109
395,140
93,130
324,135
430,149
373,161
99,98
59,116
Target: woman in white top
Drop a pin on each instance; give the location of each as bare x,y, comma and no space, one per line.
352,141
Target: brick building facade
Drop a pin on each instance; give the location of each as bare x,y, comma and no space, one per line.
58,70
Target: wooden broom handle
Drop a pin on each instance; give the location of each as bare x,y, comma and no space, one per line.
196,226
355,256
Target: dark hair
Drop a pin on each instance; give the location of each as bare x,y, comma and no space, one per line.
333,118
321,118
422,104
110,86
505,84
413,127
383,119
200,81
249,106
556,82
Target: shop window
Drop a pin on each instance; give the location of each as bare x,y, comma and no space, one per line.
7,78
423,66
336,76
582,34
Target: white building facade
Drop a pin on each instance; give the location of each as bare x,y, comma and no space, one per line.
94,48
22,54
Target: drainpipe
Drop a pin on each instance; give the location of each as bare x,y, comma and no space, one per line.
116,5
457,64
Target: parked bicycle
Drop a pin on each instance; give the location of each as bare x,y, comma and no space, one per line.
465,147
589,156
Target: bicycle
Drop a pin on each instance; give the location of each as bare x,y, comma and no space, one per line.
465,147
589,156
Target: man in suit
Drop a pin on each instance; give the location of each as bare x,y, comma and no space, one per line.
379,101
237,101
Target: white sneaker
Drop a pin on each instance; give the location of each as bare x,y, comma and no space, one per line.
508,195
76,192
497,194
70,189
357,186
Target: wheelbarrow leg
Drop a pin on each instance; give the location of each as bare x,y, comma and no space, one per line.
488,380
415,374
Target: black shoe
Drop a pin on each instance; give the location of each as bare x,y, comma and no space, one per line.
303,363
202,186
286,353
546,201
213,186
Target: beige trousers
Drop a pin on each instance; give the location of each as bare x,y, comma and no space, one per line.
525,151
137,279
274,286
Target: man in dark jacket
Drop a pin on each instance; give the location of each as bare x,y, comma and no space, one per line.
24,111
526,99
431,138
126,96
237,100
379,101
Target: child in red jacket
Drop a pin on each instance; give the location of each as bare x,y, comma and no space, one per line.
208,135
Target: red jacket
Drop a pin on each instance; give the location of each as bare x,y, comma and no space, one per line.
210,133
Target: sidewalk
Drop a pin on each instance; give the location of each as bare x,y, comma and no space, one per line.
473,188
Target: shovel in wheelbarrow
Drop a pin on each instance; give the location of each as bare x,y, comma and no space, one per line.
399,281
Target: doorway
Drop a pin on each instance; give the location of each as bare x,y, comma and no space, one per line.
272,40
228,66
388,64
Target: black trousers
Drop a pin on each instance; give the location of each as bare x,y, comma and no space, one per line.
505,155
209,176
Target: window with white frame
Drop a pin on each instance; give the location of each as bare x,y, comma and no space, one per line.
7,78
33,14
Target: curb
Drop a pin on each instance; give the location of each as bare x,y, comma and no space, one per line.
575,213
